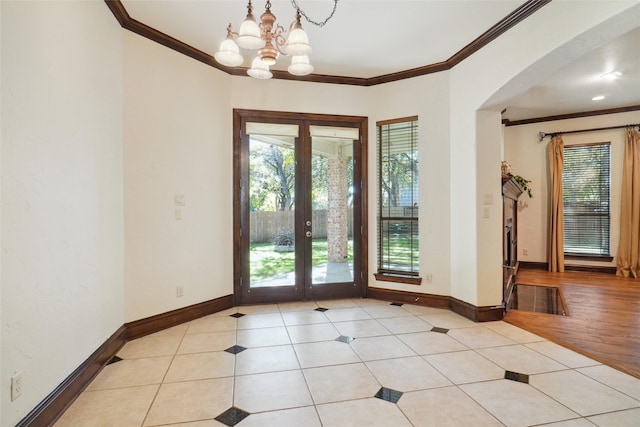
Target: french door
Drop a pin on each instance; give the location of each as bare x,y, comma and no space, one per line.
299,206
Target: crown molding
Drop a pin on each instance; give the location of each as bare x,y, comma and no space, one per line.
515,17
592,113
510,21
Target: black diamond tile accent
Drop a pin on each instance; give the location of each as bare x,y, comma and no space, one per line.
516,376
114,359
345,339
398,304
237,315
232,416
389,394
321,309
439,330
235,349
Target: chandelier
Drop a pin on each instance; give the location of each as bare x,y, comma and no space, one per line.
269,43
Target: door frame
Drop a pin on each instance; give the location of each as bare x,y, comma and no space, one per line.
241,211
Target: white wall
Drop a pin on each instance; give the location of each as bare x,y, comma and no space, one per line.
62,222
488,208
71,236
299,97
177,140
428,98
149,170
528,158
2,389
460,248
555,34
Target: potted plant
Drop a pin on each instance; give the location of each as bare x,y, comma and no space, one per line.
524,183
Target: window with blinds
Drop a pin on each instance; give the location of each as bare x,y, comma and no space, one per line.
398,197
586,188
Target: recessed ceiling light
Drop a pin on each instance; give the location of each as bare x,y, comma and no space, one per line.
611,76
598,98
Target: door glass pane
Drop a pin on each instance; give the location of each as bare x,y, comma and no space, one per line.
332,209
272,209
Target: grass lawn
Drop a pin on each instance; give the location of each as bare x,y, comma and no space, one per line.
398,251
265,262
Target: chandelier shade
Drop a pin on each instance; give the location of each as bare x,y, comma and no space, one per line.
259,70
249,36
270,41
229,53
297,42
300,66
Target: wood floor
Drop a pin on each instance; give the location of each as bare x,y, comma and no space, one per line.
602,321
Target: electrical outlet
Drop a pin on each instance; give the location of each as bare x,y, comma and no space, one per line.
16,386
428,278
179,291
525,252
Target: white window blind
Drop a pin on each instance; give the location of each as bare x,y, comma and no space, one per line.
586,188
398,197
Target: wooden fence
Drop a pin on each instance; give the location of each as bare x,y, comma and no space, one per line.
265,226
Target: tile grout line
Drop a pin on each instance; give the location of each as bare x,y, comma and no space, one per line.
579,416
155,396
528,384
458,385
605,384
235,364
306,382
566,368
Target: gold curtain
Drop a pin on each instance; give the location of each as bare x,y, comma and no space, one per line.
555,251
628,259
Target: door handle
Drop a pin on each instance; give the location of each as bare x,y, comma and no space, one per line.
308,223
308,234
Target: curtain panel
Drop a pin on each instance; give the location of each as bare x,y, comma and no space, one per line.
555,252
628,259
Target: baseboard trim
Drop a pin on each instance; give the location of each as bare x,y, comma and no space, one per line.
477,314
153,324
588,268
470,311
427,300
53,406
530,265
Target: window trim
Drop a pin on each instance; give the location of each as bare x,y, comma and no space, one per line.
397,278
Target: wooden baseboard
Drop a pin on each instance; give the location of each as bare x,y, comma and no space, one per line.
590,269
153,324
54,405
529,265
470,311
587,268
427,300
477,314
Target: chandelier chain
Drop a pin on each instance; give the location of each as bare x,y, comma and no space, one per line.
319,24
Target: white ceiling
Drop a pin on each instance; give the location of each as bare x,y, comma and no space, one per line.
369,38
571,88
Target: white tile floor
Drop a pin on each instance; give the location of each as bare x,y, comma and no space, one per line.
295,373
